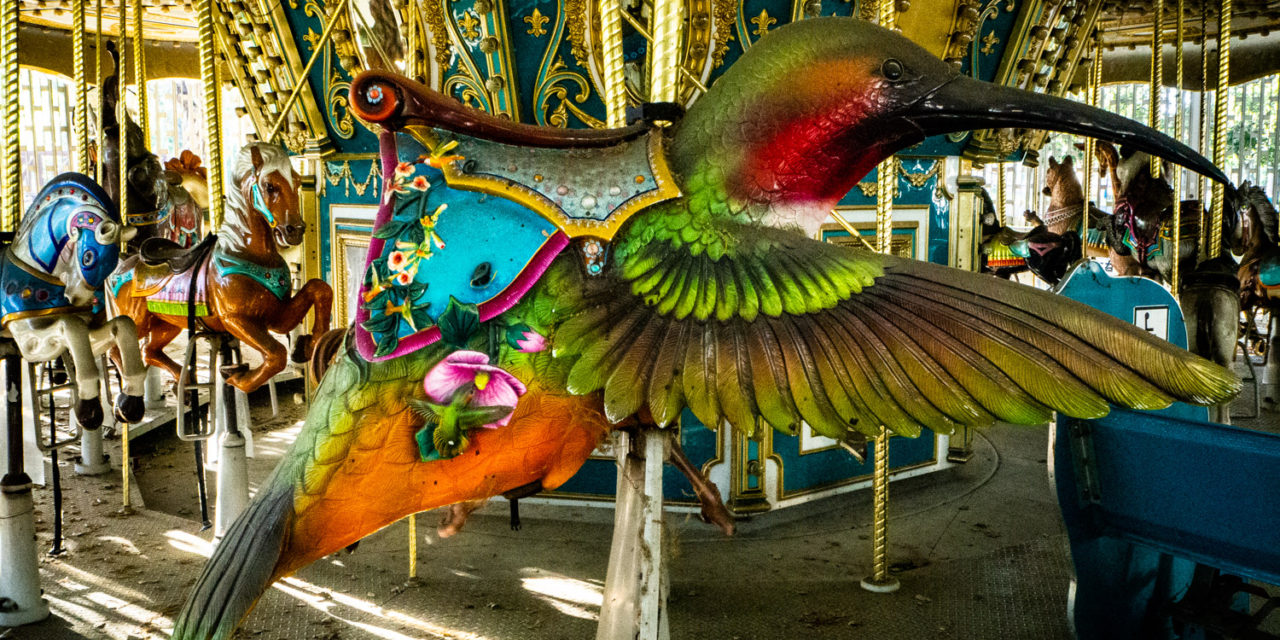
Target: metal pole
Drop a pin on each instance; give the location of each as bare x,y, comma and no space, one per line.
1157,76
413,547
302,77
1002,192
1220,125
886,178
97,78
614,78
12,160
78,28
140,72
1177,135
665,57
212,100
20,589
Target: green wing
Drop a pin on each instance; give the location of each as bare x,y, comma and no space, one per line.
791,329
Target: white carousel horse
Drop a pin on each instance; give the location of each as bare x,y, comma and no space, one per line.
51,302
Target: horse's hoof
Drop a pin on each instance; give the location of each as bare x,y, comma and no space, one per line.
89,413
301,347
130,409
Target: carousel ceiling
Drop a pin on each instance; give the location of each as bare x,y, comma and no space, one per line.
540,61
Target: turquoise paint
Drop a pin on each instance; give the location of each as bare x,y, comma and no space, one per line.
939,218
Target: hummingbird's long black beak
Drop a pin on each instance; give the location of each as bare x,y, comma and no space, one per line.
964,104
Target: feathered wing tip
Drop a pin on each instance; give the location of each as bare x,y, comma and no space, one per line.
240,570
1176,372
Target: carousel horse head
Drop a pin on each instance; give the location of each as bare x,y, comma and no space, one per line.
265,194
1258,216
1142,201
72,233
148,188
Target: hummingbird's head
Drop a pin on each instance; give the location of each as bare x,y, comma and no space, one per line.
812,107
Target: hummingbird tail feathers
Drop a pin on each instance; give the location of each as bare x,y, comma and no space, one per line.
240,570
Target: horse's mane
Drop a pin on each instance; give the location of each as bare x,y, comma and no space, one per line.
1252,196
274,158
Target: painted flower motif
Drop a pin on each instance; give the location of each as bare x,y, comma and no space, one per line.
524,339
404,170
493,386
420,183
398,260
405,278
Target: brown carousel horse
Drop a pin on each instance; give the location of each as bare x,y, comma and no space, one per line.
1140,236
236,280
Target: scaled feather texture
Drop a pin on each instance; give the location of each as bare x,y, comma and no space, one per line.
720,301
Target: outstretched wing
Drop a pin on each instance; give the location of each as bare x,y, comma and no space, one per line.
790,329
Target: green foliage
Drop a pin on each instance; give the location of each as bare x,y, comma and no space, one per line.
459,323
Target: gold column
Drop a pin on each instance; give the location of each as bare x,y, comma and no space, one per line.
1220,125
1002,192
122,200
1090,98
615,88
97,78
664,61
1157,75
413,546
212,110
78,27
12,175
140,72
886,178
1203,146
1177,135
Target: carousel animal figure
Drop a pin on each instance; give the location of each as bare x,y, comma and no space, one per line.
640,288
189,193
159,206
1140,236
51,279
1259,271
999,253
1054,244
236,280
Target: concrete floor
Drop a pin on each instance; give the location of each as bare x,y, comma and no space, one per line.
979,549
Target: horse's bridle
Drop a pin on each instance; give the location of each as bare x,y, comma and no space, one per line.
1143,249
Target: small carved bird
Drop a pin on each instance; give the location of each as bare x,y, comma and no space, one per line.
717,300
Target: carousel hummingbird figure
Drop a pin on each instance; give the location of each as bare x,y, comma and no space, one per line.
710,294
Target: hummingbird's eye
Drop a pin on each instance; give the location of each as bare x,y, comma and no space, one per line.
891,69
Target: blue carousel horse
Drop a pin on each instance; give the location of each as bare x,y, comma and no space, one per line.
51,302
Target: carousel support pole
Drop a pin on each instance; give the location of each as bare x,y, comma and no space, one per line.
413,548
140,71
880,581
93,460
1178,36
614,76
635,590
1002,193
1220,125
233,471
20,601
1156,99
1090,98
635,587
78,28
97,78
153,388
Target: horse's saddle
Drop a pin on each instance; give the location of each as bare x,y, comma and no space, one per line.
478,207
156,252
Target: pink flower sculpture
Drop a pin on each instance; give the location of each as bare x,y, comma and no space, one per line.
530,341
493,386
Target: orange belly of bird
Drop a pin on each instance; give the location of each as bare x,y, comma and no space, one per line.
548,439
